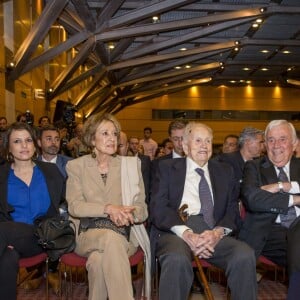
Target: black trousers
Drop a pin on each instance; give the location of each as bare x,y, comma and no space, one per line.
17,240
233,256
283,246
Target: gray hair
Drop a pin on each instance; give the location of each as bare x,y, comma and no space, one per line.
275,123
248,133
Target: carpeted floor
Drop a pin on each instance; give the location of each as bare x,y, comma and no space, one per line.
268,290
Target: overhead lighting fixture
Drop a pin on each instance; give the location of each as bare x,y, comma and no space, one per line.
265,51
248,81
286,52
246,69
177,67
262,9
259,21
255,25
236,42
270,81
236,49
232,81
155,19
290,69
111,46
293,81
264,69
187,66
183,49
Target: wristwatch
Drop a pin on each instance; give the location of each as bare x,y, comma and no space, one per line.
280,186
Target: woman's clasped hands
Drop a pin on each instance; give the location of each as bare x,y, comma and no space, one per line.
121,215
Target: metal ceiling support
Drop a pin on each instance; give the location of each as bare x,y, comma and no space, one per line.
171,65
90,87
147,11
185,38
83,76
137,30
83,11
171,74
39,30
71,68
55,51
164,57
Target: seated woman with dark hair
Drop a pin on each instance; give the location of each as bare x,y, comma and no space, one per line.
29,190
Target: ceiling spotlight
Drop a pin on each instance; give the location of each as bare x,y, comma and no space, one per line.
270,81
236,49
155,19
236,42
246,69
50,90
111,46
286,52
265,51
259,21
177,67
264,69
262,9
187,66
255,25
183,49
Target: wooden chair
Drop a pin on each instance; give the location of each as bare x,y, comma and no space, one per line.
28,262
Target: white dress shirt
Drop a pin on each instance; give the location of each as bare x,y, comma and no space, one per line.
191,192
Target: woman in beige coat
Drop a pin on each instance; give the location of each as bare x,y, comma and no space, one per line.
96,195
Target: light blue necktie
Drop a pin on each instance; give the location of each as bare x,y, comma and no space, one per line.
207,207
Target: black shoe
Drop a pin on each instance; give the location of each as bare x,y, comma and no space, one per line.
197,288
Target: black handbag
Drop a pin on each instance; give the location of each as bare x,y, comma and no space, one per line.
56,235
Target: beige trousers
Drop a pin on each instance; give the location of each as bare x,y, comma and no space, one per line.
108,266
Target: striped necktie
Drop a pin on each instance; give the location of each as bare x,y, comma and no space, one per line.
207,207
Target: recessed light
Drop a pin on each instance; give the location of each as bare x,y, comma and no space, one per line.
177,67
255,25
183,49
264,69
265,51
259,20
286,52
246,69
232,81
187,66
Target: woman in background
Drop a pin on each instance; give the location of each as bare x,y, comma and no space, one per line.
105,193
29,190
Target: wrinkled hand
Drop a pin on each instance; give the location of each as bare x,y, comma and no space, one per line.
121,215
202,244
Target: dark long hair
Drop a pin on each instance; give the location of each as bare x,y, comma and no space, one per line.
18,126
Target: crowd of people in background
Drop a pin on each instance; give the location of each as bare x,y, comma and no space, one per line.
144,182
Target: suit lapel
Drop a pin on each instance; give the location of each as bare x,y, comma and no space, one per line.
177,181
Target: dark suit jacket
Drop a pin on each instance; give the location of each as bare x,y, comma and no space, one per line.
146,173
54,180
236,160
262,207
61,162
155,162
167,191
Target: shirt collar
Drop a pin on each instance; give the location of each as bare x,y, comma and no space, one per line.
192,165
53,160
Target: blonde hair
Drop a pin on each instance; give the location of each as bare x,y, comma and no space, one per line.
91,125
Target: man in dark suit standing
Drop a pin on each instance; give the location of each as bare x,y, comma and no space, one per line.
49,143
270,193
206,187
